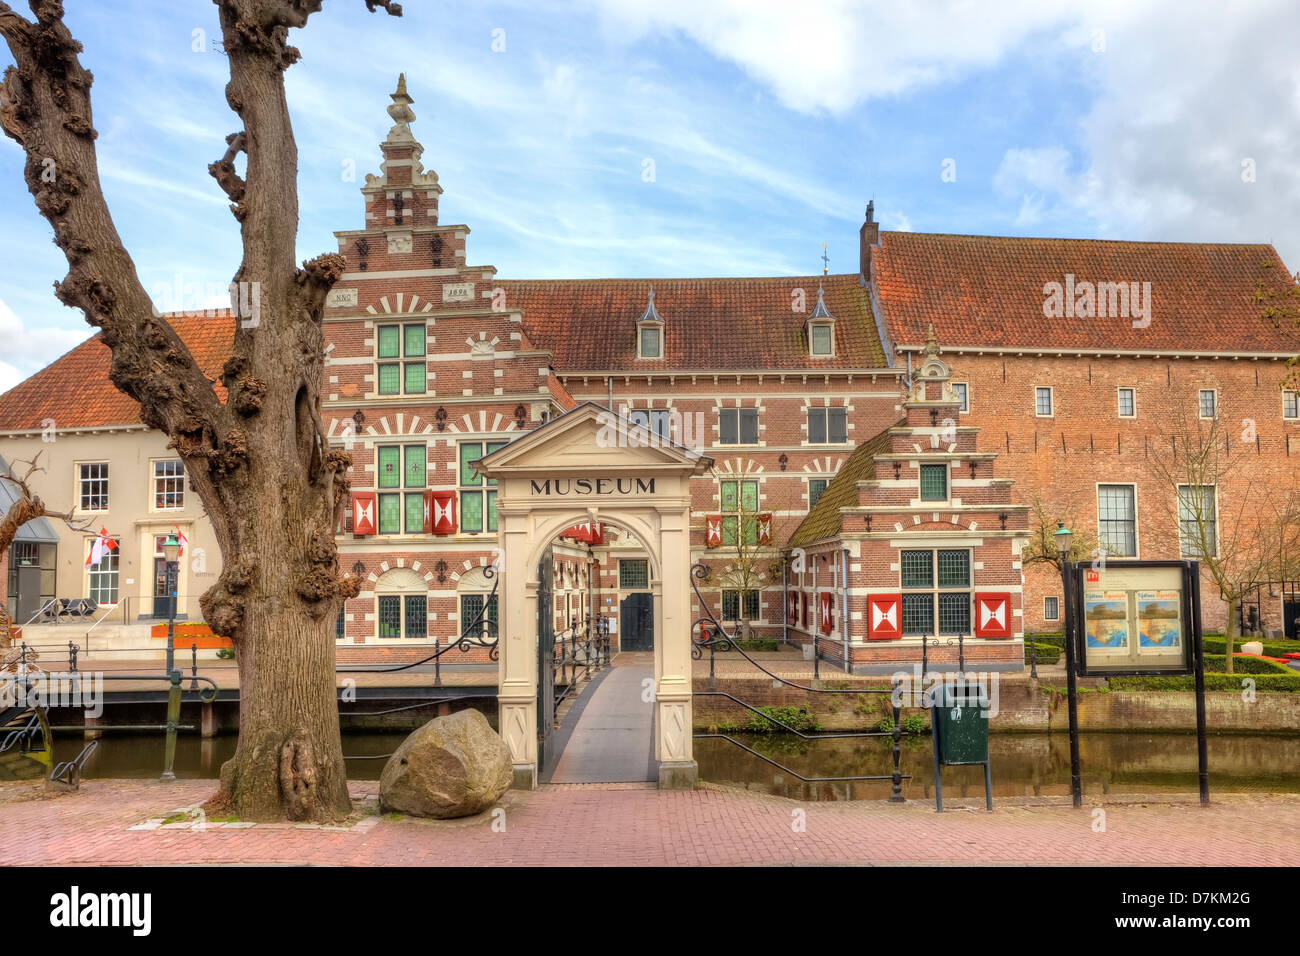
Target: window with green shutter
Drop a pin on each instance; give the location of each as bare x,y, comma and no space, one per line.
388,458
390,514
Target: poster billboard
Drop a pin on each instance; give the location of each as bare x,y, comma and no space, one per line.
1135,617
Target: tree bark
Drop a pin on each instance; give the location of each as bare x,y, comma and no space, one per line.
1230,632
259,461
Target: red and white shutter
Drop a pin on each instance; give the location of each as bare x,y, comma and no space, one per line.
993,614
827,612
363,512
765,529
792,608
886,617
713,530
444,512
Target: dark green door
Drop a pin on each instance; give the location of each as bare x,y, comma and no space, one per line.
636,623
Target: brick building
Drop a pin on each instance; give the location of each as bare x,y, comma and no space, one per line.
785,382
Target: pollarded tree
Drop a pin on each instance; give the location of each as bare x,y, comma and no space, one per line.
258,460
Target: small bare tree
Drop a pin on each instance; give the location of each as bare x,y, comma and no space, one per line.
1282,309
1041,548
26,507
1244,540
750,545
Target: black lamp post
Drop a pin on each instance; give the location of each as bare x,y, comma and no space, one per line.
171,549
1063,538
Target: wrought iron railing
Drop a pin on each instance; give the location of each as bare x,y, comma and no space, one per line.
584,645
708,634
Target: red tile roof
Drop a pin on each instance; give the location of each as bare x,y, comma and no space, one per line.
988,291
75,391
590,324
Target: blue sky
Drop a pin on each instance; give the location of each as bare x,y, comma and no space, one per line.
769,126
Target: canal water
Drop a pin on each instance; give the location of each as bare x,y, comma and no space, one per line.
1022,764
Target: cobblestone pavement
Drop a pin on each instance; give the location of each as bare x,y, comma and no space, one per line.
631,824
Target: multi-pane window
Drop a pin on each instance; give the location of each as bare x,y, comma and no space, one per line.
738,426
403,615
1051,608
1117,520
401,350
816,488
1291,404
478,619
341,625
1043,402
828,426
401,466
731,605
1208,402
961,392
168,485
93,480
739,503
934,482
478,495
103,576
1196,515
936,591
633,574
822,343
651,342
1127,403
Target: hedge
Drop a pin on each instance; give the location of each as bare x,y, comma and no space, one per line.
1047,653
1218,645
1283,683
1246,665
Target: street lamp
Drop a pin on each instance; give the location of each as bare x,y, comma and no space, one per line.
1063,537
171,549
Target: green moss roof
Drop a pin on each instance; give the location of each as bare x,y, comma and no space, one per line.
825,521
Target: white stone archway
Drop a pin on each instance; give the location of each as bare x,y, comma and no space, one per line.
591,464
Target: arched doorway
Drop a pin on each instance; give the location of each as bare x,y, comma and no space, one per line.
592,465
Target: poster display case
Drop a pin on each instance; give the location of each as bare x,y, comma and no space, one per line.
1136,617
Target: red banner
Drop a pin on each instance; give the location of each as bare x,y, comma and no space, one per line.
886,613
993,614
363,512
793,613
765,529
827,612
440,511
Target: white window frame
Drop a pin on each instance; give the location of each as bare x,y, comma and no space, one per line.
1200,404
1295,395
1051,399
822,478
964,409
641,329
1178,506
1056,606
155,478
1137,537
1119,391
81,481
825,410
402,636
830,328
115,553
739,442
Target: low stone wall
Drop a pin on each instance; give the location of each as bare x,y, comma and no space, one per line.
1022,707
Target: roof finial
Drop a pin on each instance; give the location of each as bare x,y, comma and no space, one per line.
826,262
871,210
820,311
400,110
931,342
651,314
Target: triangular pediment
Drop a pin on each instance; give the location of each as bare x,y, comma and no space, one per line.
591,439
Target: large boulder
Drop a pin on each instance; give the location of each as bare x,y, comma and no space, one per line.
453,766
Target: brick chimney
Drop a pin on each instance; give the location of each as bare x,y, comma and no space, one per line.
868,238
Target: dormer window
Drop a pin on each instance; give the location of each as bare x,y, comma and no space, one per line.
821,330
650,332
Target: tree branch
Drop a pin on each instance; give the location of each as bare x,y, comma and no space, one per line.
45,107
223,171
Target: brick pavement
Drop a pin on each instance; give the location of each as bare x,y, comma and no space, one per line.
631,825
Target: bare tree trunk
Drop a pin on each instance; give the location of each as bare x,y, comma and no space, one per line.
259,461
1230,632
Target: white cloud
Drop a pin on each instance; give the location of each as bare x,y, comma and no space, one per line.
34,347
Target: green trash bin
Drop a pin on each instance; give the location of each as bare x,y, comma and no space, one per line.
960,733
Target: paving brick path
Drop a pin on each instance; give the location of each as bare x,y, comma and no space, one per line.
632,824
